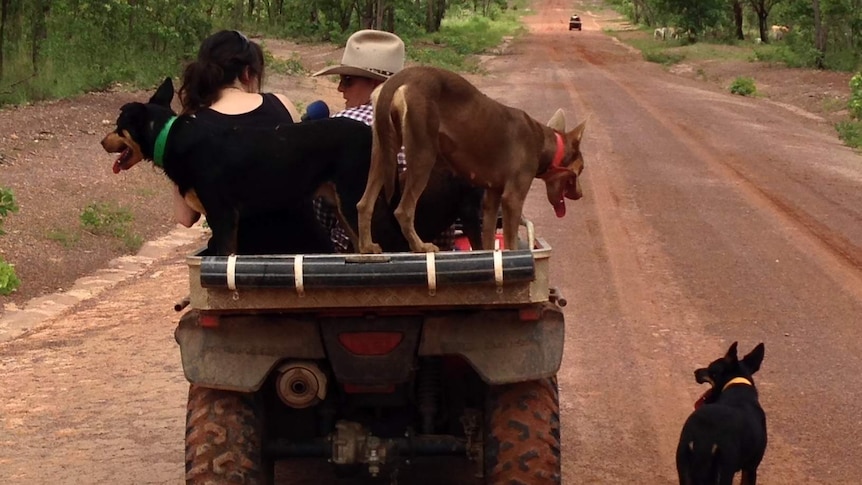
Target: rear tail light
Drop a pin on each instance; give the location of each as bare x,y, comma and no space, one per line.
208,321
370,343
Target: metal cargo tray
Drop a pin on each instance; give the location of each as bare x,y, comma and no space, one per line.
353,281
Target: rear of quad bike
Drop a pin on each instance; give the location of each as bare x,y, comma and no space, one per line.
369,392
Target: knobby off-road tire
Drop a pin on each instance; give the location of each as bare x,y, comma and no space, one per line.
522,434
224,439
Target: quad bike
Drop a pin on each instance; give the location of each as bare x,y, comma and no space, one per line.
367,361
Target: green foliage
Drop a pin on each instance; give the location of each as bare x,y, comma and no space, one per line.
662,56
7,205
855,103
9,281
89,45
743,86
462,36
66,238
61,48
714,21
850,133
103,219
292,66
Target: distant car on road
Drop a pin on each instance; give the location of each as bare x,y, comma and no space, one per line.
575,23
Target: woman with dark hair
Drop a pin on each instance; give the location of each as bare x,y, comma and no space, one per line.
222,88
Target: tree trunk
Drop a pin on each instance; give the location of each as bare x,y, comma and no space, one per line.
4,10
40,31
366,14
819,35
737,19
380,10
439,12
757,6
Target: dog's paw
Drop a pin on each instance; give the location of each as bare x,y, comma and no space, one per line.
426,248
372,248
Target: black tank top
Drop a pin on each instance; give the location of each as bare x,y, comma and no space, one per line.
270,113
284,231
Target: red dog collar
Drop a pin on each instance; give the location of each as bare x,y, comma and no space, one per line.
555,166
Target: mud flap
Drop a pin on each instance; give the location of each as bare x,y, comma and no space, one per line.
500,346
240,351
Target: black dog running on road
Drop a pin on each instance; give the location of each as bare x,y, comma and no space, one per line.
728,432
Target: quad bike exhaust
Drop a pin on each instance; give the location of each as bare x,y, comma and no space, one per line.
300,384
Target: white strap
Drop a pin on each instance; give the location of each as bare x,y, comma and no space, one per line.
432,273
498,269
231,272
297,275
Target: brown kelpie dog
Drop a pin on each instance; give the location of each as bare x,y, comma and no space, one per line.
438,116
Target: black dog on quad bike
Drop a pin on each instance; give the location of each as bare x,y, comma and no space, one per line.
727,431
241,171
229,174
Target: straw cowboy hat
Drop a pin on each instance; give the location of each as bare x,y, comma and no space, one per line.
373,54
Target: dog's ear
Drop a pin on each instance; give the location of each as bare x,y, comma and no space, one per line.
578,132
754,358
165,94
731,356
558,121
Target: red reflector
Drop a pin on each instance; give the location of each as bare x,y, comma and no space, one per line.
370,343
529,314
209,321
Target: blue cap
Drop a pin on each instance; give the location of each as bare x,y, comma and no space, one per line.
317,110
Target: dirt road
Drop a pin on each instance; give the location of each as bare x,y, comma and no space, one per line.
708,218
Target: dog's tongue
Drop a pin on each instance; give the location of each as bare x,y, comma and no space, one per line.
116,168
702,399
560,207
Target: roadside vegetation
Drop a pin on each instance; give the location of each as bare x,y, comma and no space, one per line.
743,86
820,34
851,131
107,219
56,48
8,279
825,34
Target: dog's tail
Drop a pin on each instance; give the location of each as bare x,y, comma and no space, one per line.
387,140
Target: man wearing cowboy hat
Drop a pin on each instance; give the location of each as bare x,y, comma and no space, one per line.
370,57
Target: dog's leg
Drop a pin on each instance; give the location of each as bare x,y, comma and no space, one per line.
420,132
749,477
471,217
490,206
513,205
725,474
224,231
406,210
365,207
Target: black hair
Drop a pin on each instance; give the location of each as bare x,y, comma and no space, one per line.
222,58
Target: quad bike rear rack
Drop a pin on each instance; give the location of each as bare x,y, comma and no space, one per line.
313,282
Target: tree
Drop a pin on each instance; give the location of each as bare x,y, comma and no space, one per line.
819,35
762,9
736,5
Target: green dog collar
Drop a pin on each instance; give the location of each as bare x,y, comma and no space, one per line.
161,141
